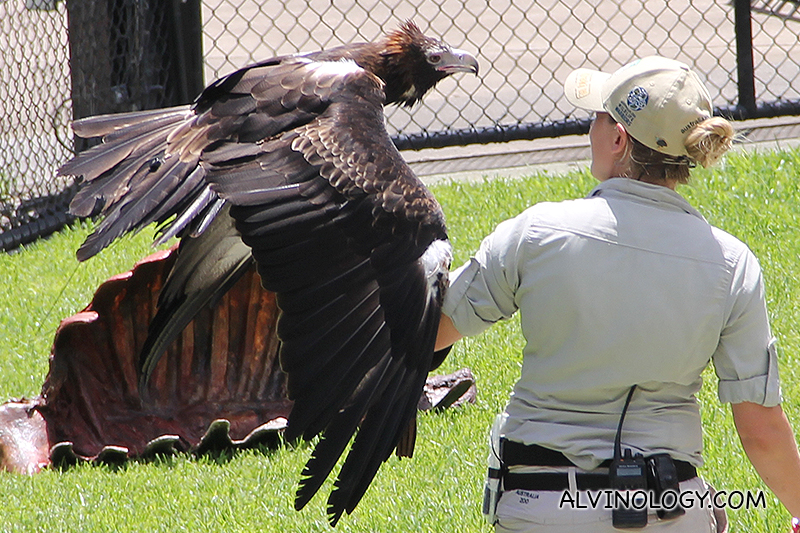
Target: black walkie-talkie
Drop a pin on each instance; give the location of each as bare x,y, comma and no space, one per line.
628,473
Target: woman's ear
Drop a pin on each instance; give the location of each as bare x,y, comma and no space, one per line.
621,140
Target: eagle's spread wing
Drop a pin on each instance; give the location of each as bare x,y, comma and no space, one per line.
355,247
148,168
296,152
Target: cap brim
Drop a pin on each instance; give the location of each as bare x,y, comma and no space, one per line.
584,89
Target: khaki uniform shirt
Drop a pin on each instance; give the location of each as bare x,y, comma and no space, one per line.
628,286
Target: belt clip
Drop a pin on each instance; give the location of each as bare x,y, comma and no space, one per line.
572,479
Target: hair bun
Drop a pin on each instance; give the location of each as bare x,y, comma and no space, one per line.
709,140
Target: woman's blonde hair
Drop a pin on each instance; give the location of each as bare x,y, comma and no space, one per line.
709,140
705,144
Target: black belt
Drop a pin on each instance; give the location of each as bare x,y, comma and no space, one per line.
553,481
518,454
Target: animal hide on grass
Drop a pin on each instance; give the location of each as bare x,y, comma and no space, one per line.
218,387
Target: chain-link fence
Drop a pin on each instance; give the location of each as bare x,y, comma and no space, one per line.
62,61
35,104
137,54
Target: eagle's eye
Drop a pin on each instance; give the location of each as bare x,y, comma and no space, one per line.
435,59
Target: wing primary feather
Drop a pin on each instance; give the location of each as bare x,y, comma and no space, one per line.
334,383
174,194
308,418
209,214
338,434
128,215
95,161
105,124
306,317
371,447
186,214
305,313
408,439
110,186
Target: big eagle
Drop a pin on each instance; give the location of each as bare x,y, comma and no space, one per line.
288,163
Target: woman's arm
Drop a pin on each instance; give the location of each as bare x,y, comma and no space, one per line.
769,442
447,335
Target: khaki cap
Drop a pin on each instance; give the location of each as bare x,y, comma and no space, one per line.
658,100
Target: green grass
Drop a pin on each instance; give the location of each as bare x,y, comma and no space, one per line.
756,197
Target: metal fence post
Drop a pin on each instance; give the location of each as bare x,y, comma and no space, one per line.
188,52
129,55
89,27
744,59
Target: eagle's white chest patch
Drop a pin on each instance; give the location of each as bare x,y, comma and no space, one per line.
336,68
437,259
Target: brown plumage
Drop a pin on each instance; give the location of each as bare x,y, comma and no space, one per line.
288,163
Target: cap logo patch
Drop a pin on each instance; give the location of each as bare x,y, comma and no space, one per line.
582,85
637,98
624,113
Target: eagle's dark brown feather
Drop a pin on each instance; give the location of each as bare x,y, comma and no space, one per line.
288,163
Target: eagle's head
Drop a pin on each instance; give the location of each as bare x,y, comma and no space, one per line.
411,64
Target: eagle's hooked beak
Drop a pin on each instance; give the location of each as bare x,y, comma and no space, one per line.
455,60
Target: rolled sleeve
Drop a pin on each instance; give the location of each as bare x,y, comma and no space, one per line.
482,291
746,359
763,389
457,305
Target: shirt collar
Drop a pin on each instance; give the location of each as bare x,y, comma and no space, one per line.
626,187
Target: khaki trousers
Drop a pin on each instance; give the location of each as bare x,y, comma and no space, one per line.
550,512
